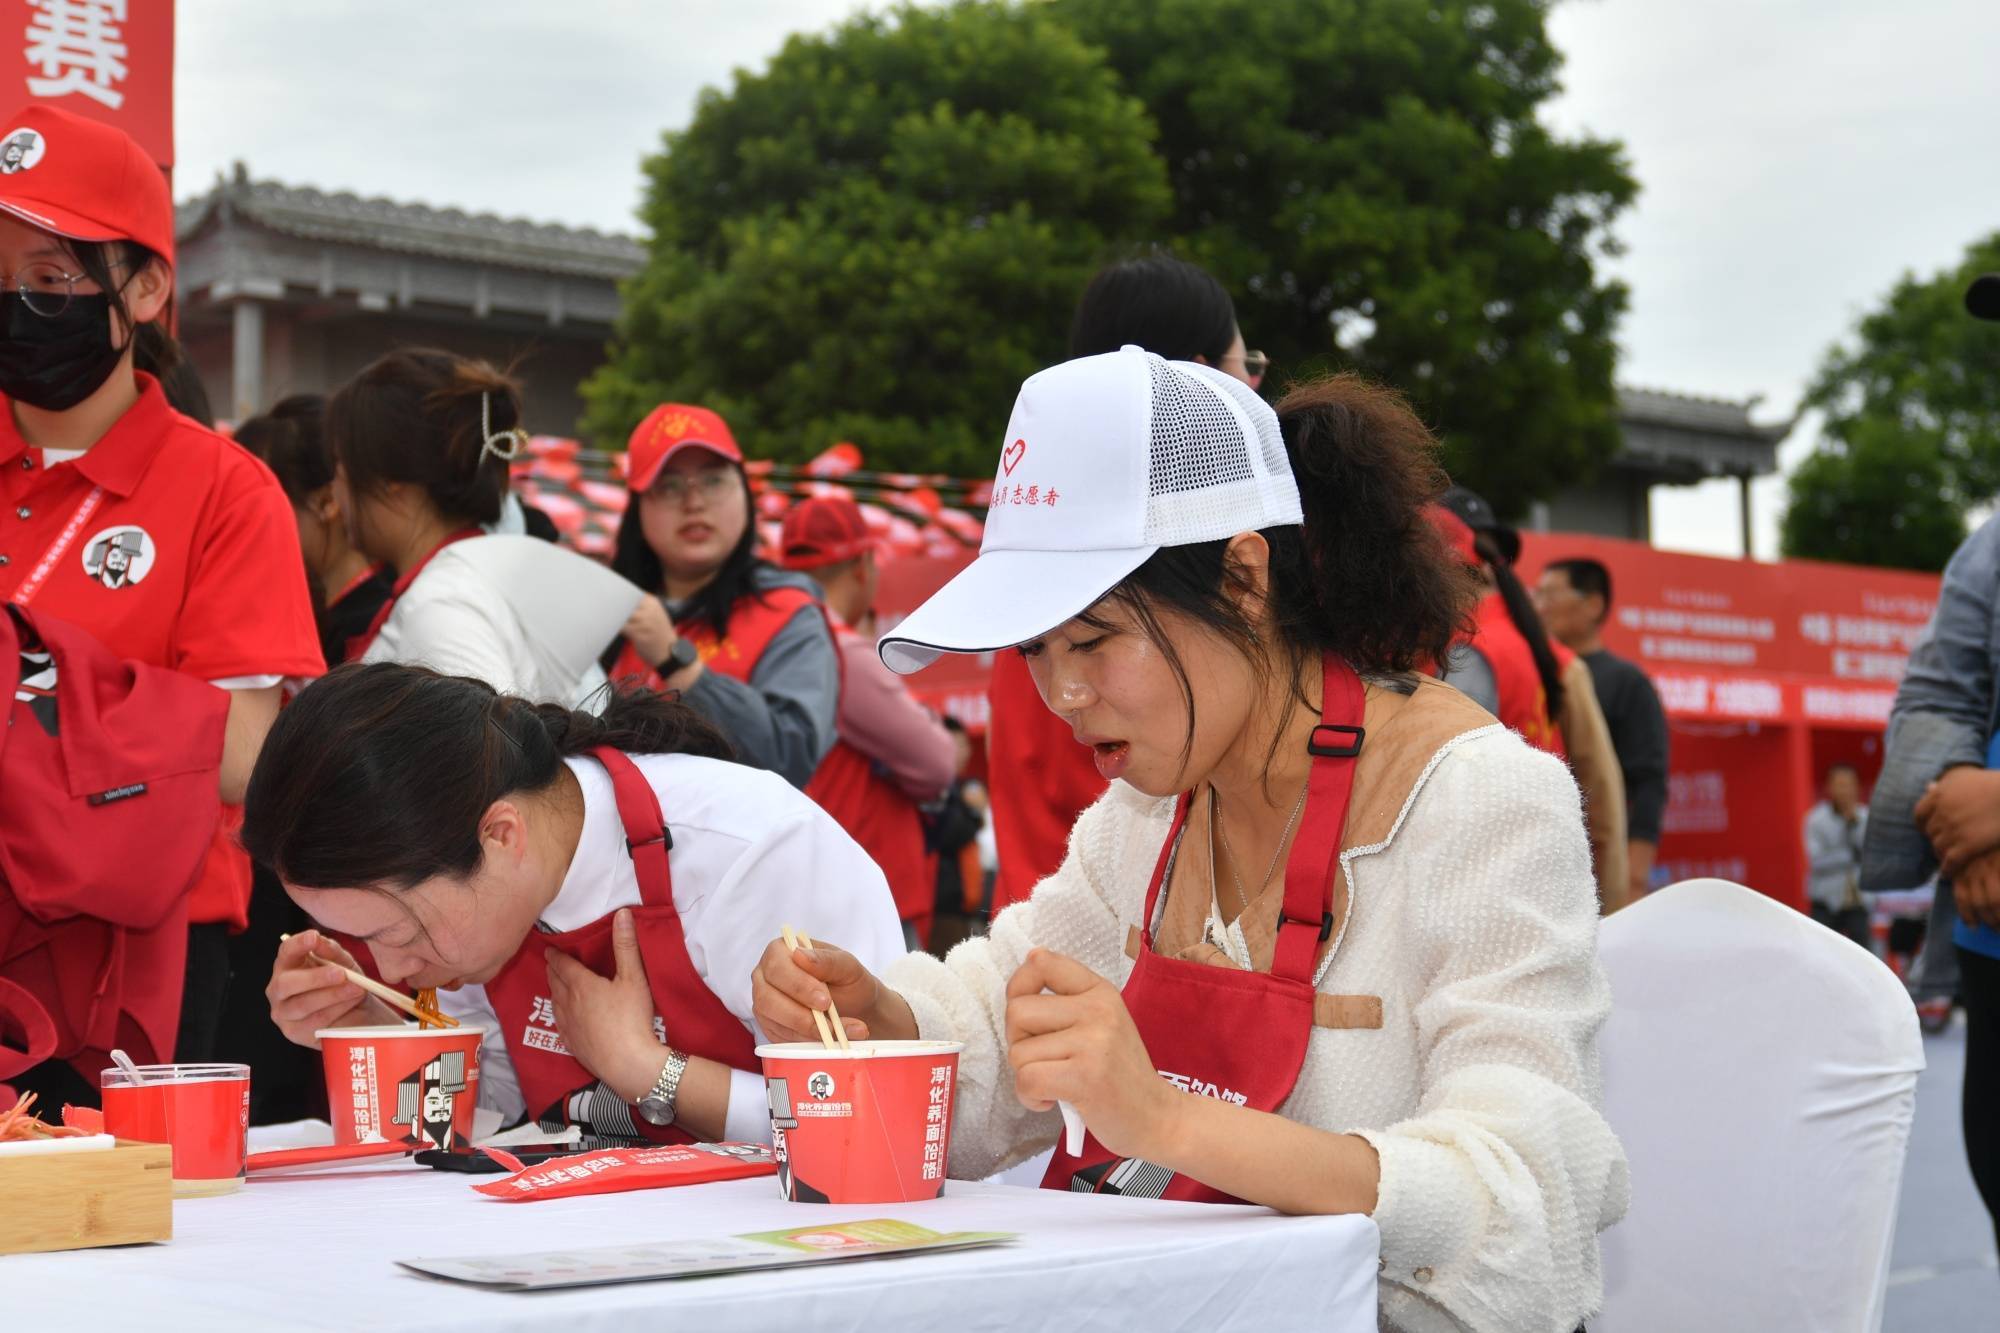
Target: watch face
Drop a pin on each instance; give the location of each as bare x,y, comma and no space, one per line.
684,653
656,1111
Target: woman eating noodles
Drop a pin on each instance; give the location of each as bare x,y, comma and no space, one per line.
593,891
744,642
1325,894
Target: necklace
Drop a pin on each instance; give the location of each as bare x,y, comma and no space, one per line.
1215,828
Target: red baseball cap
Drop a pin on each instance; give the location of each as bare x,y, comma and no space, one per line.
83,180
668,429
823,530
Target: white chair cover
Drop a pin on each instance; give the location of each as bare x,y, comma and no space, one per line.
1761,1071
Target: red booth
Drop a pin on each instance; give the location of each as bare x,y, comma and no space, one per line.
1769,673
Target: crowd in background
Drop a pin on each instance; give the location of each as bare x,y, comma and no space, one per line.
391,476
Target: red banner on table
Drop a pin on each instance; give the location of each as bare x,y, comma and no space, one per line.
112,60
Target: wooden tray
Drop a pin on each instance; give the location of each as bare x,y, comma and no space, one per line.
76,1201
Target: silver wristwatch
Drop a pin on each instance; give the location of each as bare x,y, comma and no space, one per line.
657,1106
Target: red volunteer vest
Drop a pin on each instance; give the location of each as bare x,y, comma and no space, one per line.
877,814
1223,1031
696,1022
754,621
1524,703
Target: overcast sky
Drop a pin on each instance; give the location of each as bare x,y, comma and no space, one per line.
1794,156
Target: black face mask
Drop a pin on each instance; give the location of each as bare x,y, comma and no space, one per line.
55,362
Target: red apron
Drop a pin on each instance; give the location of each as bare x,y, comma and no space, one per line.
1224,1032
877,814
696,1022
359,643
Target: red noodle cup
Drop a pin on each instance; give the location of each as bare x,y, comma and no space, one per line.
201,1111
401,1082
866,1125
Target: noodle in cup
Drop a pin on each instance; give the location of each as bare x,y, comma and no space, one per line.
867,1124
401,1081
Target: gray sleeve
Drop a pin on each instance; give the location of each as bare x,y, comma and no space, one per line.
782,719
1827,847
1950,673
1944,709
1469,671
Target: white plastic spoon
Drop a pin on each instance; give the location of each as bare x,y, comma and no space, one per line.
1072,1129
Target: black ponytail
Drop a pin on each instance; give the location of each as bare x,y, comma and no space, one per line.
1521,610
379,775
635,721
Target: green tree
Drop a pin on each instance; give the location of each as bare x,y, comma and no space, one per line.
1371,181
1910,432
1879,497
881,235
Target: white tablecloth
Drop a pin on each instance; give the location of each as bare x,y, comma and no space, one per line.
318,1251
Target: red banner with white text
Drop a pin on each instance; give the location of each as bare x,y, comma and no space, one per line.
112,60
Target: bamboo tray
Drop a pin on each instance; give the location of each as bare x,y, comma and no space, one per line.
80,1200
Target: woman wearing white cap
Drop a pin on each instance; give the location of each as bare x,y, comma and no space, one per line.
1328,895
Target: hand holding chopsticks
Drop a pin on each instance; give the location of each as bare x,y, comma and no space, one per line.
832,1032
428,1016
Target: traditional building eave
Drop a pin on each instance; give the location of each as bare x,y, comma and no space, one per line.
414,229
1677,438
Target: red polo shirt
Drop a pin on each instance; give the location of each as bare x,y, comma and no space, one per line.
172,546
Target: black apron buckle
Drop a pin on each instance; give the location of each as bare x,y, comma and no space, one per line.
1330,749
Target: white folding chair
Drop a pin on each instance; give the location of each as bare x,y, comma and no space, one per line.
1761,1071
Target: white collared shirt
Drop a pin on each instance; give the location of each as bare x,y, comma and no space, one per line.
750,855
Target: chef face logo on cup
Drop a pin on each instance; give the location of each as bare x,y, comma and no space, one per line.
820,1085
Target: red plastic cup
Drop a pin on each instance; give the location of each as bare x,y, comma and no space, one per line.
866,1125
201,1111
401,1082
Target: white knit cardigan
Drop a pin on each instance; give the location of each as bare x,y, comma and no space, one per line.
1475,921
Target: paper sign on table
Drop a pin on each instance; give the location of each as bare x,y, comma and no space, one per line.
835,1242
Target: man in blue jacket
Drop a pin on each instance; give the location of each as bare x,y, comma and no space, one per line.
1937,804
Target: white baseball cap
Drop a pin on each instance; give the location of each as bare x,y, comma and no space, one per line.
1106,460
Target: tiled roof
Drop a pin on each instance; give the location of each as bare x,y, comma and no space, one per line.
1711,416
385,224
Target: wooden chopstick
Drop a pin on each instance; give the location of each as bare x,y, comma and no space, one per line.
832,1009
798,940
379,991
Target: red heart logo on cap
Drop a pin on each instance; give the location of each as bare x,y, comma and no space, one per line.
1010,457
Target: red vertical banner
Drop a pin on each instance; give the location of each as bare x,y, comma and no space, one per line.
112,60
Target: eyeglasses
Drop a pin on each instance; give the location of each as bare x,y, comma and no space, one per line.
677,486
1255,364
45,287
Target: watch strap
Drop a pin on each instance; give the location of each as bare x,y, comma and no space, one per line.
665,1094
679,657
